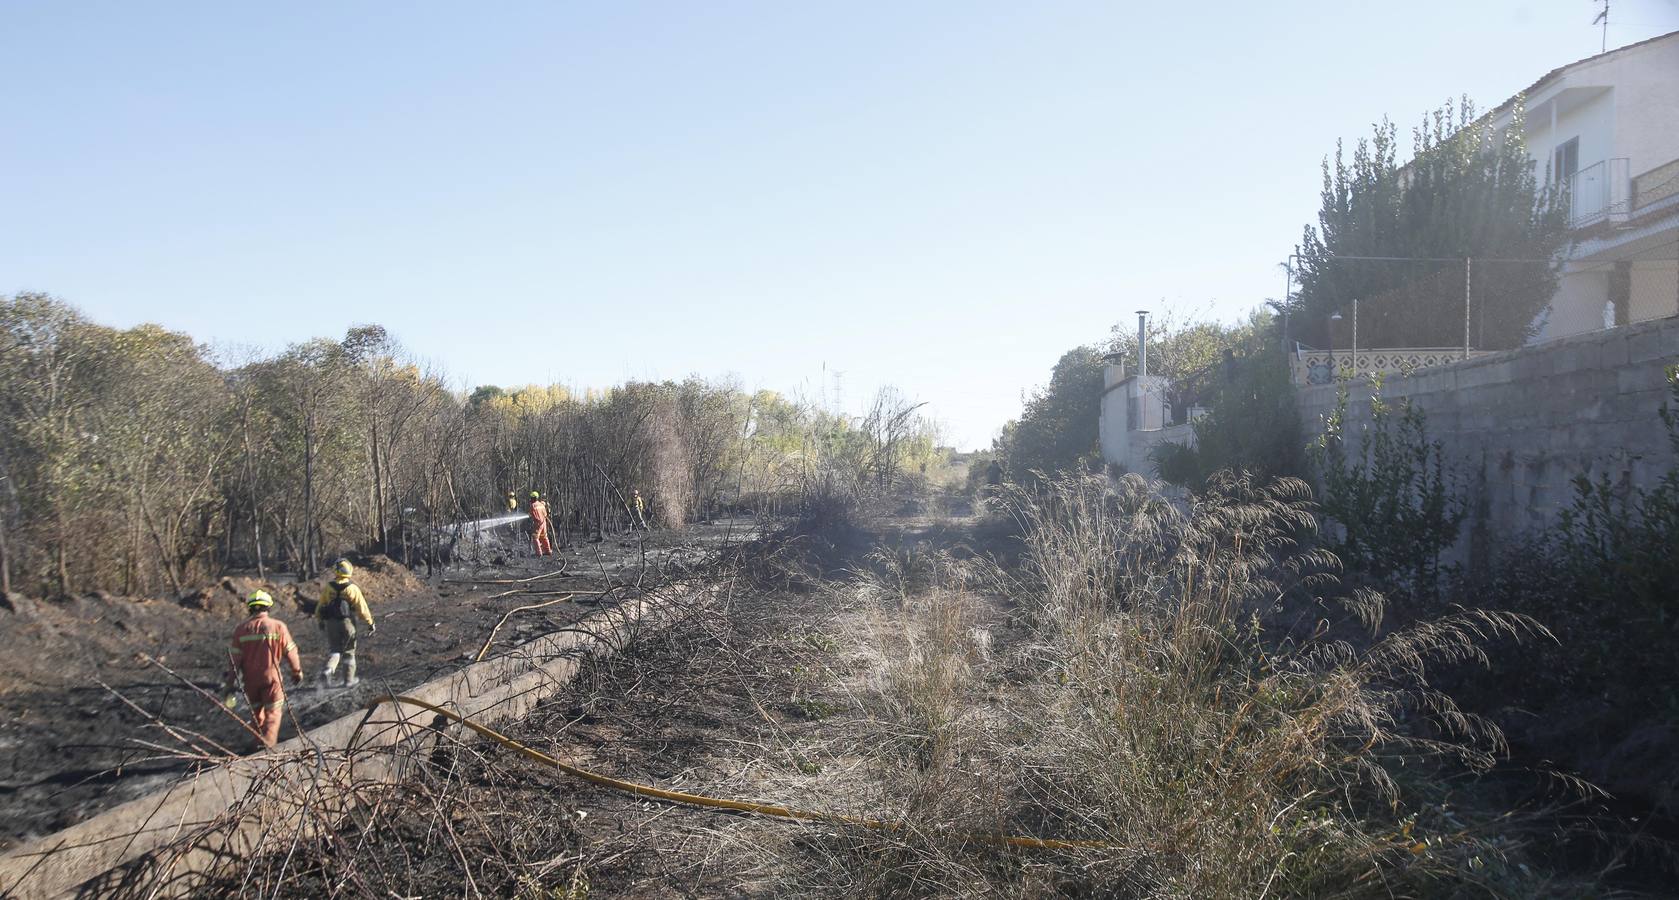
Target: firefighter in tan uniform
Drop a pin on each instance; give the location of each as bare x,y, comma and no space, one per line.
640,510
261,645
340,605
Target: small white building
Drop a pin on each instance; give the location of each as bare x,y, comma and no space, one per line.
1137,417
1605,131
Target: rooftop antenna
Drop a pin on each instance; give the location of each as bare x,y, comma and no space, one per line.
1603,18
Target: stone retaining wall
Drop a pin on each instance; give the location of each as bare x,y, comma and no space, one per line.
1521,424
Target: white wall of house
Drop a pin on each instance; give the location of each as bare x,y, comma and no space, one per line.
1135,419
1655,287
1646,81
1623,108
1585,113
1621,105
1110,425
1578,305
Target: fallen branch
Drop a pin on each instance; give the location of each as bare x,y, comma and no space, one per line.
565,595
508,615
214,700
538,593
556,574
172,732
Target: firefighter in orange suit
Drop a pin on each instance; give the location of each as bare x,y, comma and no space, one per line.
539,526
261,645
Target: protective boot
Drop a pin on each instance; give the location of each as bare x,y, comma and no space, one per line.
350,679
327,672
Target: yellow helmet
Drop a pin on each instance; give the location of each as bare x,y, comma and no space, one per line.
258,600
343,568
536,495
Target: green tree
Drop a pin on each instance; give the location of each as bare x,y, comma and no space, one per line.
1468,191
1252,424
161,449
1057,431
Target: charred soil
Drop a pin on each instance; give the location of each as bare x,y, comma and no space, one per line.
102,697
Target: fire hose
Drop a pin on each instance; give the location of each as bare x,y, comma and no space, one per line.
746,806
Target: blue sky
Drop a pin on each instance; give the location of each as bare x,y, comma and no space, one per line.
943,196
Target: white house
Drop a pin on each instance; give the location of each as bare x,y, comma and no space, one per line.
1136,414
1605,130
1135,418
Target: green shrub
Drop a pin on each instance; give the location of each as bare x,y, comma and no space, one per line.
1605,580
1398,505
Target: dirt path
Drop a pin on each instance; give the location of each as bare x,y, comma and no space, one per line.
81,700
785,698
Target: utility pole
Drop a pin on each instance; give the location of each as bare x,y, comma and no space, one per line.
1467,264
1329,332
1288,286
1355,337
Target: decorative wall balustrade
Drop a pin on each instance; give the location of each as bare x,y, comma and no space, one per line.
1324,366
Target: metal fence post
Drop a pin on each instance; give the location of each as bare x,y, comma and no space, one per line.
1467,269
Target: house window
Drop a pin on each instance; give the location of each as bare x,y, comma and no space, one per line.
1565,161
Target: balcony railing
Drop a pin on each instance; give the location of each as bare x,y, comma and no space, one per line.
1657,184
1601,192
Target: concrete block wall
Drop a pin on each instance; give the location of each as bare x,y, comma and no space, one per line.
1520,425
1143,443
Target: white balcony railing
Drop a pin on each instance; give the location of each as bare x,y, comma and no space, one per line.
1601,192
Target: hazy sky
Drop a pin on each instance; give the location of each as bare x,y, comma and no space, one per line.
940,195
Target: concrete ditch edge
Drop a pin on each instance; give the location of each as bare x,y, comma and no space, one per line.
315,769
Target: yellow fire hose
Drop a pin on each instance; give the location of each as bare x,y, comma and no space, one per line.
763,809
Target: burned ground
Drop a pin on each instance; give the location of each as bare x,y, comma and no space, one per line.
87,682
769,692
860,674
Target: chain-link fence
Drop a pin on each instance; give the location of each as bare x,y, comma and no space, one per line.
1410,313
1619,277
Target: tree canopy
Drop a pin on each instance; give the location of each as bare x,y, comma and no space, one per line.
1469,191
134,460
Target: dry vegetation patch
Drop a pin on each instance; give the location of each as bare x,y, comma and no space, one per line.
1122,686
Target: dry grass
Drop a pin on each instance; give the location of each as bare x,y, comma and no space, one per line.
1189,690
1186,686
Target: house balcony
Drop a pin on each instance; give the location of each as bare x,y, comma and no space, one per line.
1657,184
1600,192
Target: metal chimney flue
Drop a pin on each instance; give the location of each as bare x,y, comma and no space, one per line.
1142,343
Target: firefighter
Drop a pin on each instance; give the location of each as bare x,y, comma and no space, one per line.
539,526
260,645
640,509
512,502
340,605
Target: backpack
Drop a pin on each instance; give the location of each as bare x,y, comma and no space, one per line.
339,607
